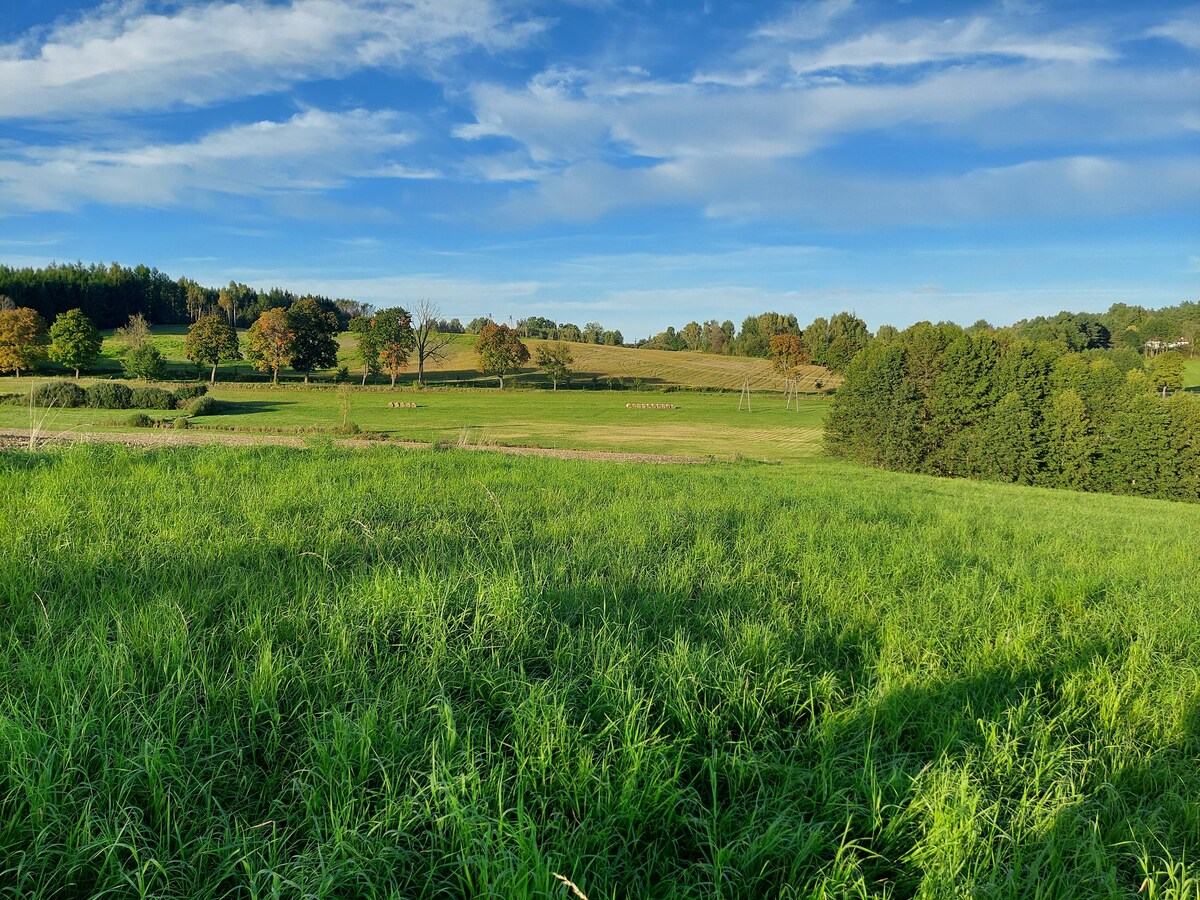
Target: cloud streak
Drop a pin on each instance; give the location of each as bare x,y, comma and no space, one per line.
312,151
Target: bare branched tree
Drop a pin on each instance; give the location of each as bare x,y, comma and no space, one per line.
430,344
134,334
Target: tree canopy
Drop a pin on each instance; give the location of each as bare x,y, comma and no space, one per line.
74,341
270,342
556,361
500,351
210,340
22,339
314,342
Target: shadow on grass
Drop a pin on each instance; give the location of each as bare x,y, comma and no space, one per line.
245,407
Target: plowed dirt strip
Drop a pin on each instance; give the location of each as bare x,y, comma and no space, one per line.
17,438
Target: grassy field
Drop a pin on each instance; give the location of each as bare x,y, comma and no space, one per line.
1191,373
702,425
595,365
321,673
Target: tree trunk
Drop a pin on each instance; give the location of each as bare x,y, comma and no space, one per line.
393,382
212,379
501,377
364,383
274,376
420,371
555,381
306,378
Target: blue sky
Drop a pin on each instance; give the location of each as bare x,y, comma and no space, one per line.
636,163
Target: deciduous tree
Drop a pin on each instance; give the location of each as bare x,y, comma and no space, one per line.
556,361
363,329
429,344
315,343
74,341
788,352
271,341
22,339
210,340
500,351
1166,371
395,339
145,362
135,332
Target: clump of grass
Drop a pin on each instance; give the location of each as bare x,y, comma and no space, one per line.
430,674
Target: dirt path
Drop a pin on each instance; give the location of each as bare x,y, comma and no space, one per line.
14,438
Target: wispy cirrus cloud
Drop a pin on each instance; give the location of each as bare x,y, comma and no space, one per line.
314,150
805,21
916,42
123,57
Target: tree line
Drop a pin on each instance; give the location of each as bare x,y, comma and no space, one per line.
110,295
541,328
943,400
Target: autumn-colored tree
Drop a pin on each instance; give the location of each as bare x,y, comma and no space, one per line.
210,340
74,340
395,339
271,341
500,351
556,361
22,339
788,352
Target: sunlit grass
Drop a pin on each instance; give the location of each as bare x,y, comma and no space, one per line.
324,673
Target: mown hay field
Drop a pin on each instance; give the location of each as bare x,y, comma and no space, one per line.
268,672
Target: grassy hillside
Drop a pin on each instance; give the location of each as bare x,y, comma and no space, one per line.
645,368
317,673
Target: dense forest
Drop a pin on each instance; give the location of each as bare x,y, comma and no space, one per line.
109,295
942,400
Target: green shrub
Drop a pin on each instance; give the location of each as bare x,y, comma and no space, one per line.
59,394
182,422
151,398
140,420
145,362
203,406
109,395
190,392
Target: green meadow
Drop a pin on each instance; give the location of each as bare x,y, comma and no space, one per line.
319,672
703,424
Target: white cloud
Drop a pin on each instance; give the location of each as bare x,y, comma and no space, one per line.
998,105
916,41
123,58
806,21
1069,187
1184,30
312,151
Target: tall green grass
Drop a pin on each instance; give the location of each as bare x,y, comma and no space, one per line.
271,673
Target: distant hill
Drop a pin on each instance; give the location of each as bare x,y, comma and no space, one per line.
655,368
